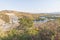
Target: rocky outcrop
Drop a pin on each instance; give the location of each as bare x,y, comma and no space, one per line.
13,22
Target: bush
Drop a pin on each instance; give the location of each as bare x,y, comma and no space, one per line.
25,23
46,34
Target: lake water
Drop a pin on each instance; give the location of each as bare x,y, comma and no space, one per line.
43,21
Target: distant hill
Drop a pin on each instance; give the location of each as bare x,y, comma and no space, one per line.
5,17
10,16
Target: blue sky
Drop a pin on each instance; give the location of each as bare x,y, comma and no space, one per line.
35,6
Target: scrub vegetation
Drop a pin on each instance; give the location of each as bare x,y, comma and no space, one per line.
30,30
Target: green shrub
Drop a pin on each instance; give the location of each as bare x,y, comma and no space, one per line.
25,23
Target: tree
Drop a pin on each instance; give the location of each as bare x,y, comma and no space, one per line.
25,23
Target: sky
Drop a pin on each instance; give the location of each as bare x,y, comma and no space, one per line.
34,6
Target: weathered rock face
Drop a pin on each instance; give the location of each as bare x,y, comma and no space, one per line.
12,22
12,17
